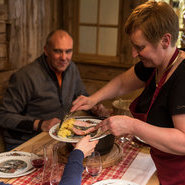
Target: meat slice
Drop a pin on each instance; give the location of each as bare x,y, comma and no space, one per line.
83,128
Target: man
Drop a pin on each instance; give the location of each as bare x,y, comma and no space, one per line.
41,93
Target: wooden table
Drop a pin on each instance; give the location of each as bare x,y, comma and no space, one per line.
44,138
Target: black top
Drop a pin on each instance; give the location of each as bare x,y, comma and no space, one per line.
170,100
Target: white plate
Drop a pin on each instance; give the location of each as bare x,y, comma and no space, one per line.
114,182
54,130
15,164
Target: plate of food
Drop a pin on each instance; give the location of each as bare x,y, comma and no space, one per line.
15,164
114,182
73,129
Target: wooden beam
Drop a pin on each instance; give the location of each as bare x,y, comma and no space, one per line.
3,12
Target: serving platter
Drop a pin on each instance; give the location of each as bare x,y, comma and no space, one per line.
114,182
74,139
15,164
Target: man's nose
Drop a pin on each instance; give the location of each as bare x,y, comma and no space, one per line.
134,52
63,55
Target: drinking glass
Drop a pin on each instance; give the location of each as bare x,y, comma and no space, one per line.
51,173
56,174
37,155
94,164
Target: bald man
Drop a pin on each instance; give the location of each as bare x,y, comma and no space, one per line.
41,93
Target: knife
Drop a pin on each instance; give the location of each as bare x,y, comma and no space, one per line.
69,114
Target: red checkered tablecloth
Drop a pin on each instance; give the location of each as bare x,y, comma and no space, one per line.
114,172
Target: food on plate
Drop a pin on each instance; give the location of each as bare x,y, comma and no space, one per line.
71,127
65,129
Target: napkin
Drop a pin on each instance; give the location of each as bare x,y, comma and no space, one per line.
141,169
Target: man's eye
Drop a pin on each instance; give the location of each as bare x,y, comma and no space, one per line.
69,51
57,51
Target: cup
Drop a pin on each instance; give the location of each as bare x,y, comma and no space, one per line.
94,164
37,155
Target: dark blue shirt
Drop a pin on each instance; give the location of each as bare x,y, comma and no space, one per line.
73,170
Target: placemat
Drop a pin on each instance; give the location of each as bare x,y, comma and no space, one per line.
114,172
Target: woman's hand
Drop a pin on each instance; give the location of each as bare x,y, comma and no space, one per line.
118,125
83,103
86,146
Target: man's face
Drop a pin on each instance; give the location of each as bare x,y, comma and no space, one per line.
59,52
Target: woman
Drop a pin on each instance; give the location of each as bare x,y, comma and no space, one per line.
73,170
159,112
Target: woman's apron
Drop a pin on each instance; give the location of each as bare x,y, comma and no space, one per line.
170,168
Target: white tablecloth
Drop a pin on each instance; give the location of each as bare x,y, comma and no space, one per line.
141,169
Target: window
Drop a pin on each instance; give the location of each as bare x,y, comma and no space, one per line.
98,26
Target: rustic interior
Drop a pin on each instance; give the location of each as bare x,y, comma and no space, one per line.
24,26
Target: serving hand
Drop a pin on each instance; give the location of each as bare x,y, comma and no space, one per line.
118,125
82,103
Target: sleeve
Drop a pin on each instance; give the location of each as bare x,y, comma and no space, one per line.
142,72
13,107
73,170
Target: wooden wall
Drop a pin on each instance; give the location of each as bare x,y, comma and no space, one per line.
31,21
96,76
24,25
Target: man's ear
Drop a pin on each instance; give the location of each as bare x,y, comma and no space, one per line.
166,40
45,50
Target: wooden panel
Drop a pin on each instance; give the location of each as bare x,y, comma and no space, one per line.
97,72
93,85
2,37
2,27
3,50
3,12
4,64
31,22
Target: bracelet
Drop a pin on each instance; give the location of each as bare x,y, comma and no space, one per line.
39,126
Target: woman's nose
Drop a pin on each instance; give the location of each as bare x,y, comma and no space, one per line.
134,52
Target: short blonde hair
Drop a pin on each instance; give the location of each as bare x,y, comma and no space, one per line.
154,19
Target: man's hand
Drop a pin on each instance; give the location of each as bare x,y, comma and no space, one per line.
86,146
46,124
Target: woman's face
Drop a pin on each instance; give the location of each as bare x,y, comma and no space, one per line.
149,54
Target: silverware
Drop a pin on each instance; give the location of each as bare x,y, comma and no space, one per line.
101,135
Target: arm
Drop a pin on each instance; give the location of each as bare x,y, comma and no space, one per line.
170,140
14,104
73,170
120,85
13,110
